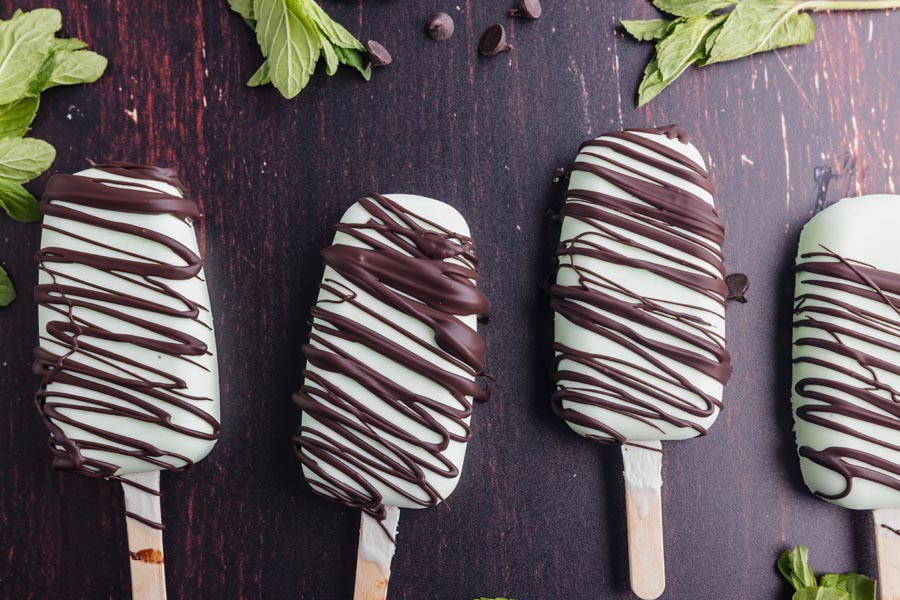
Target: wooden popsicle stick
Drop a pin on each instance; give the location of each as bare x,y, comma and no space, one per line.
643,505
373,559
887,548
145,546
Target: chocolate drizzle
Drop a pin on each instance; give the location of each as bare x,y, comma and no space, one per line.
355,445
645,226
847,331
107,298
673,132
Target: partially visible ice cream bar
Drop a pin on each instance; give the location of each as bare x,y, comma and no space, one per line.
126,355
846,353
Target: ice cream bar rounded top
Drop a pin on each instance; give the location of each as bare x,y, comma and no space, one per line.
846,353
639,293
393,356
126,355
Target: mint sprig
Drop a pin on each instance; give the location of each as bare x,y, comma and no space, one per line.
858,587
293,35
32,60
704,32
794,566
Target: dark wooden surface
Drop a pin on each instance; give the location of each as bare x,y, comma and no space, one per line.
539,513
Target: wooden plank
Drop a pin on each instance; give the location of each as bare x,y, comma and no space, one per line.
537,513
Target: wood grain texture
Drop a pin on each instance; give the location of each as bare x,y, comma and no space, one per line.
646,556
539,511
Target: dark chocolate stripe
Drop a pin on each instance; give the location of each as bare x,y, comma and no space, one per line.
413,275
848,332
673,218
72,387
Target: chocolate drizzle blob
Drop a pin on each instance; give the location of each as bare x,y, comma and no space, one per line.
112,293
635,212
388,326
847,324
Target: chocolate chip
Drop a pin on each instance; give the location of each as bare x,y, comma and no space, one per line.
378,54
493,40
440,26
737,286
529,9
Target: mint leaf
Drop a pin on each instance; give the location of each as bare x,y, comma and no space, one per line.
761,25
333,30
23,159
74,67
683,45
67,44
7,291
820,593
261,77
16,117
292,49
709,43
331,58
794,565
859,587
337,43
691,8
35,24
25,42
32,59
243,8
355,59
646,31
39,82
652,83
293,35
18,203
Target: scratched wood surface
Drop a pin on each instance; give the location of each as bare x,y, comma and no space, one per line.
539,513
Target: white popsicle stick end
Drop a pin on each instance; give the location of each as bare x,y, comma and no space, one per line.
373,560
